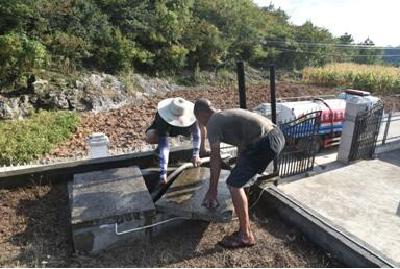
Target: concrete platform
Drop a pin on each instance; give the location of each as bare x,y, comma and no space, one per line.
360,202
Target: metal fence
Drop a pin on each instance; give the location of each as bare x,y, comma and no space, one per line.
366,130
390,128
301,135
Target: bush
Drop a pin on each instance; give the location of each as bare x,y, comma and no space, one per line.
19,54
26,140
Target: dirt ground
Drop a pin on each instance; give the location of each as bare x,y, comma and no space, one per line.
34,232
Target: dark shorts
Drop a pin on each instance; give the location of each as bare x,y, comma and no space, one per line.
256,158
163,128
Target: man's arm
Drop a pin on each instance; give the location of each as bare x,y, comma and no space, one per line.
196,139
196,145
215,166
163,147
203,135
210,200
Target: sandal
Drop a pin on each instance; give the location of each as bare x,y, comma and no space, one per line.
237,241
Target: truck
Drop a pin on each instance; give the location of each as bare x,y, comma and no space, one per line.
332,109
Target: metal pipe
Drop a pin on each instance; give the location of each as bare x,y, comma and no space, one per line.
273,91
242,84
273,105
145,227
386,128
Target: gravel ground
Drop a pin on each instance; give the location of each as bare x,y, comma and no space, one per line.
125,127
35,233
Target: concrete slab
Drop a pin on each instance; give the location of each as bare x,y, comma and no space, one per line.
361,200
185,196
103,200
107,195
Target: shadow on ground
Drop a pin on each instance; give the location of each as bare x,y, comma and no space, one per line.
392,157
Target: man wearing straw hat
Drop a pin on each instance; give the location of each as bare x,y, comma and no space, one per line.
174,117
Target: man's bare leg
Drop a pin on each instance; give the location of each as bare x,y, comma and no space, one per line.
240,204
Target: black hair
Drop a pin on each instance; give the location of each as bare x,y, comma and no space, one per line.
202,105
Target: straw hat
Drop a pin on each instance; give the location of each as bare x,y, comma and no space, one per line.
177,112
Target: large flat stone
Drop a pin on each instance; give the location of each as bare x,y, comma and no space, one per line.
186,194
109,196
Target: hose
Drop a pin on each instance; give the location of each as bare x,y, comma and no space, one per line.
170,180
186,166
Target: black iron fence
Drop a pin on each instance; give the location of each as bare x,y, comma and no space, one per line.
390,129
366,130
301,135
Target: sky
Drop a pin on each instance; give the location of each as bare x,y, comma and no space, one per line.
377,19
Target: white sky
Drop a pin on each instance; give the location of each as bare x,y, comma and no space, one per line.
377,19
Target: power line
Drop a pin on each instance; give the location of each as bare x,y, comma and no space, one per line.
330,45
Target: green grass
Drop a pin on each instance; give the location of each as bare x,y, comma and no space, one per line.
22,141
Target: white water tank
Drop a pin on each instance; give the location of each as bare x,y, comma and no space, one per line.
98,145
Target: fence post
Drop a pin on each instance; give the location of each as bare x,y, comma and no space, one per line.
273,106
273,92
386,128
242,84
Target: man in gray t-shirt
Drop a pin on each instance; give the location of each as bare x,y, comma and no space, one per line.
259,142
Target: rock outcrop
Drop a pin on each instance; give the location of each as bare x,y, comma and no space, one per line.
90,93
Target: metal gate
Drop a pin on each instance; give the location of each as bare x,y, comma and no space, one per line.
301,135
366,130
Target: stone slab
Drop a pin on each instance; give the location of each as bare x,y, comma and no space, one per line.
186,194
114,194
362,200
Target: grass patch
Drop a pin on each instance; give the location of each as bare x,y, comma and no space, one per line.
25,140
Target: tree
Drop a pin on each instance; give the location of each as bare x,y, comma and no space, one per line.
367,54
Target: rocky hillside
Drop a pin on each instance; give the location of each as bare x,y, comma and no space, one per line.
90,93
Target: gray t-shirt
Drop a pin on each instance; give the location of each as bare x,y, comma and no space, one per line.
237,127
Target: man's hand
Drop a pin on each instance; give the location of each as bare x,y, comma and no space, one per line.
210,200
196,161
204,152
163,180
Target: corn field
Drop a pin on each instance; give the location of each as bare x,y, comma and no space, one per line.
374,78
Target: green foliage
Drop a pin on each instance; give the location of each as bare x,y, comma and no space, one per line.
14,15
19,54
160,36
26,140
368,56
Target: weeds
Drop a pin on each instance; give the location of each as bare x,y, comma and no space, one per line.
25,140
